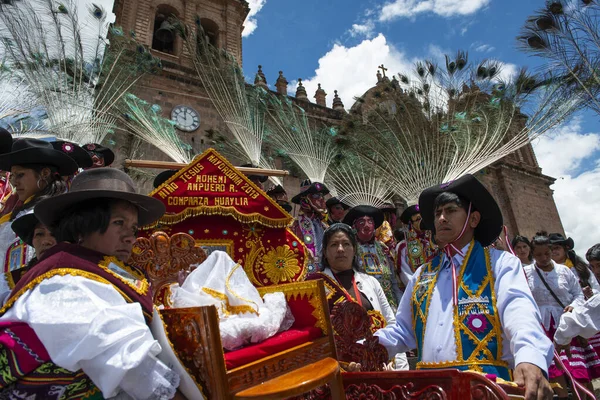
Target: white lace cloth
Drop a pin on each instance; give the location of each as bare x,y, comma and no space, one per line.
87,325
221,282
563,283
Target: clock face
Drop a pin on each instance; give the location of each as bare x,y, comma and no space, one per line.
186,118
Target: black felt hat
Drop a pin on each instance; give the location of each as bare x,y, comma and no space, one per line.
6,141
76,152
408,213
277,189
34,151
469,188
24,227
108,183
107,154
261,178
364,211
307,187
333,201
557,238
163,177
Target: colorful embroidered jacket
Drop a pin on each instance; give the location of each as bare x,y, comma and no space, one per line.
374,259
477,326
414,252
25,365
310,230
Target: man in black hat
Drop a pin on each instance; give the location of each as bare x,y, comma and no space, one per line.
279,194
309,225
470,308
258,180
416,249
374,257
101,156
336,210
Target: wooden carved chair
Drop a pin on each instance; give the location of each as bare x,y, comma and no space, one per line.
288,364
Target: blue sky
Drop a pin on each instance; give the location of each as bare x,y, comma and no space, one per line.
340,43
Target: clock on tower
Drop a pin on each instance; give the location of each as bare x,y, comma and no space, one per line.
186,118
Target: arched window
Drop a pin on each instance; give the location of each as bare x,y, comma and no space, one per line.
211,30
163,37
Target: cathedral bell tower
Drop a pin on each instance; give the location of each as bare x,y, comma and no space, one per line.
176,88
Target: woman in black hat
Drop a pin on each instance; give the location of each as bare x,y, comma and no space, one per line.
36,169
82,310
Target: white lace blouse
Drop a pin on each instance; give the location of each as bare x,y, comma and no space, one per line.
565,285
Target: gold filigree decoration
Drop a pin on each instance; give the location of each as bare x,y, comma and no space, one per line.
227,308
255,251
280,264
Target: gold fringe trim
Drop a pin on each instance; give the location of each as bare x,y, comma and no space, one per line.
7,217
59,272
171,219
9,280
143,290
162,320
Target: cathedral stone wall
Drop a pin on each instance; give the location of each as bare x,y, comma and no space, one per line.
522,191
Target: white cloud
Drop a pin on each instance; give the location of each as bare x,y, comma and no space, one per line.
251,23
445,8
352,70
483,47
366,29
561,154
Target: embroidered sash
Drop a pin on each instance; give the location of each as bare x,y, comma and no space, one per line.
477,328
419,249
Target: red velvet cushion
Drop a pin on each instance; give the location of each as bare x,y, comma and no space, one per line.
272,345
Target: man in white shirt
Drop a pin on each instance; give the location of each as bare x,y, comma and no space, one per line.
470,308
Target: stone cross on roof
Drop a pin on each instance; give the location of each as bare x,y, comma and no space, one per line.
383,69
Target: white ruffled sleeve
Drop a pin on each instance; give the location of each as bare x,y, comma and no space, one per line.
88,325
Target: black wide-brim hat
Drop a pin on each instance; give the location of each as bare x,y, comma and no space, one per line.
364,211
277,189
261,178
333,201
315,187
76,152
24,227
471,189
6,141
163,177
107,183
408,213
105,152
34,151
557,238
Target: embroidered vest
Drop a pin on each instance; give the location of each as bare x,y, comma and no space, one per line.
25,366
419,249
311,232
477,328
374,260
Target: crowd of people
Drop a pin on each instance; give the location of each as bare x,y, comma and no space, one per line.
74,317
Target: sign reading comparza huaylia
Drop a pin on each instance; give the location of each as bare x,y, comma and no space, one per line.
210,185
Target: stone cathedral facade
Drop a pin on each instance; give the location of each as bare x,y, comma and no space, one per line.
517,182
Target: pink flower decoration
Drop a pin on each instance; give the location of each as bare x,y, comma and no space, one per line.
477,323
67,147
